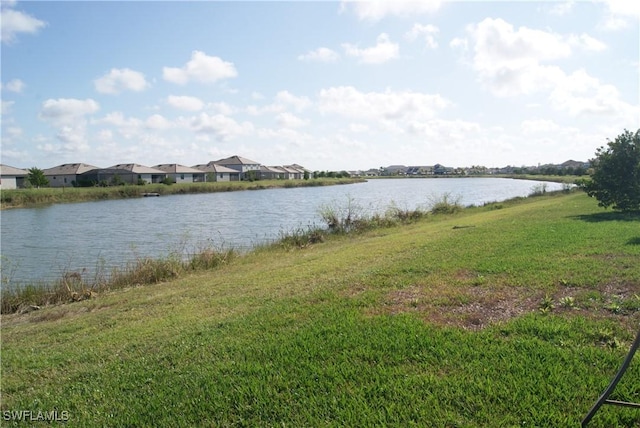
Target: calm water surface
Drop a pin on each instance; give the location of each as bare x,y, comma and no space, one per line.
39,244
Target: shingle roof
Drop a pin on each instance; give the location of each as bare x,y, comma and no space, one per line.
137,169
212,167
277,169
69,169
175,168
6,170
236,160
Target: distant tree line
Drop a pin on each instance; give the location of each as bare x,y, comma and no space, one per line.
551,170
331,174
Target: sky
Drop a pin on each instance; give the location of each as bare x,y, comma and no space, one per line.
330,85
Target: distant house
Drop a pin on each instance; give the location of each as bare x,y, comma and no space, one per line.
140,172
373,172
271,173
181,173
107,177
240,164
442,170
66,175
214,172
12,178
297,172
395,170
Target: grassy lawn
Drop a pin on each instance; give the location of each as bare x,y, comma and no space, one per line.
513,314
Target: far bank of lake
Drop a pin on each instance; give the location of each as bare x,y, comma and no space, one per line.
40,244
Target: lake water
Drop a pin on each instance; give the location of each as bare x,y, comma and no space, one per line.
39,244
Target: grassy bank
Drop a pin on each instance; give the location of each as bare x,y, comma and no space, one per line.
19,198
512,314
568,179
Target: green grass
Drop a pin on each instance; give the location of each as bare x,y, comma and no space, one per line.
17,198
439,322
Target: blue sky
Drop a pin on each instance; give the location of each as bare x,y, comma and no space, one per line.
328,85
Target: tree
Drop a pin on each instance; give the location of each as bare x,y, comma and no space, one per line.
36,177
615,180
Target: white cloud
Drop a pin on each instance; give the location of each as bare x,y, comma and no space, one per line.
73,139
586,42
427,32
158,122
320,55
14,85
562,8
6,107
533,126
377,10
15,22
379,106
223,128
201,68
127,127
383,51
185,102
620,13
118,80
579,94
287,98
65,110
512,61
358,127
288,120
221,108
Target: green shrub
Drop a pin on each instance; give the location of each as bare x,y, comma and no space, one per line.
446,204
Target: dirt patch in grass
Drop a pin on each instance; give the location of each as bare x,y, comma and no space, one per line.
476,307
469,307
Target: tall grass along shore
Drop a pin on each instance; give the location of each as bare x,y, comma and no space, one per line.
511,314
20,198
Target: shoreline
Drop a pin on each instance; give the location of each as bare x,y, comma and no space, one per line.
32,198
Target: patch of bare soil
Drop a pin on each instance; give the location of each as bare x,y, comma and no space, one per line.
476,307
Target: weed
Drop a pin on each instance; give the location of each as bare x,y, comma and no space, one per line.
301,237
567,302
539,190
546,305
445,204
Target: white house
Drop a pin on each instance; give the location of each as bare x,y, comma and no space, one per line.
67,174
240,164
181,173
12,178
141,172
214,172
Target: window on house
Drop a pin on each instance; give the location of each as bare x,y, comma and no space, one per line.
181,176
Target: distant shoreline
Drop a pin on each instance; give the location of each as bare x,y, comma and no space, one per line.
31,198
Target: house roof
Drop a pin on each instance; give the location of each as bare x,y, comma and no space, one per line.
299,167
212,167
175,168
6,170
69,169
137,169
276,169
291,170
103,171
236,160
